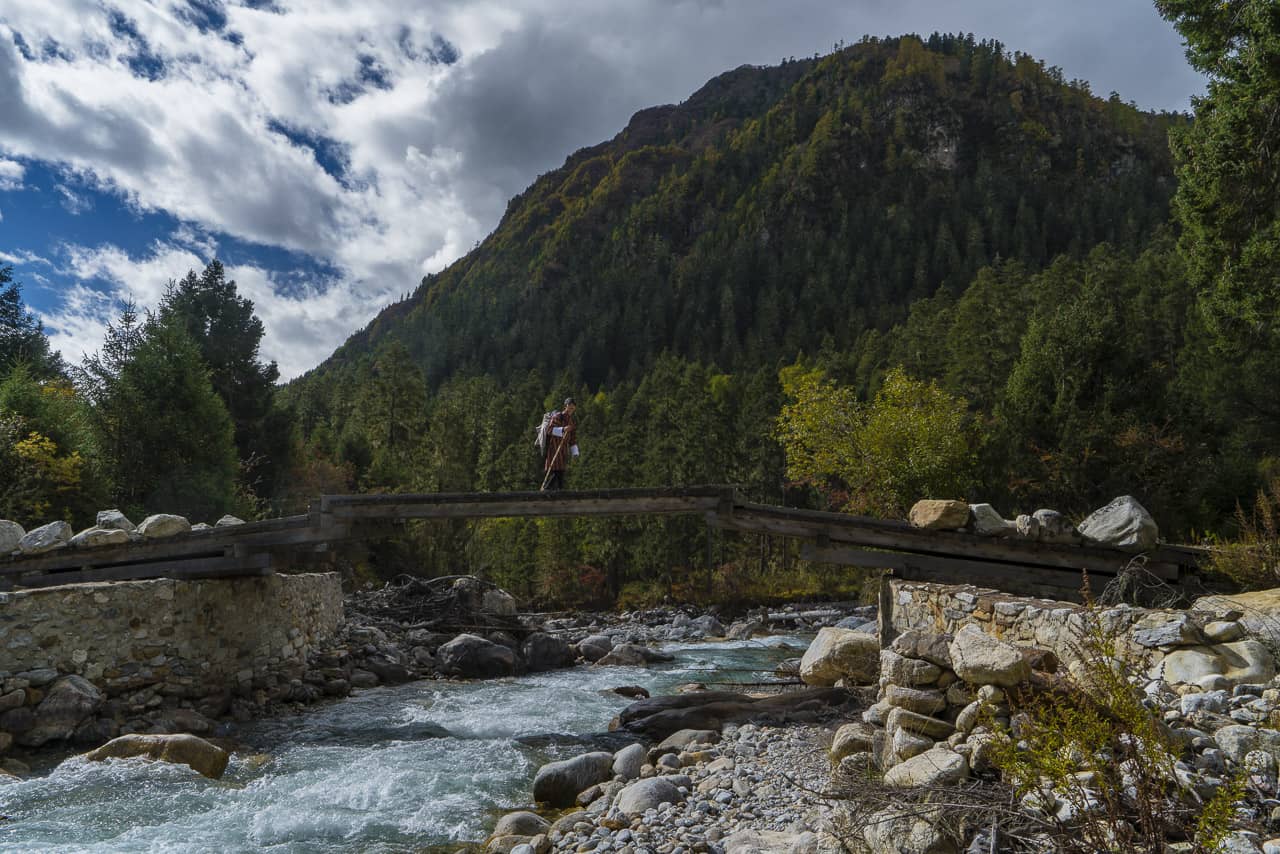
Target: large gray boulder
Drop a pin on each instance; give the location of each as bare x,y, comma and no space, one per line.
980,659
542,651
1236,741
93,537
1122,524
114,520
558,783
11,533
707,626
909,672
472,657
228,521
646,795
628,761
936,767
46,538
837,654
498,602
595,647
772,842
67,703
162,525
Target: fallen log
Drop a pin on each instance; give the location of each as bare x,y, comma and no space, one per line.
659,717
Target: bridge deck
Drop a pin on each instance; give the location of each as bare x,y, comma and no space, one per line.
253,548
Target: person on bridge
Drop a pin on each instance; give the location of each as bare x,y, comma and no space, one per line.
561,445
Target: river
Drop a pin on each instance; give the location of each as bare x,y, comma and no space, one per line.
412,768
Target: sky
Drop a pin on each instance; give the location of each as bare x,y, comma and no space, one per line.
331,152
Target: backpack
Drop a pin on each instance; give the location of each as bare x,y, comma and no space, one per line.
544,430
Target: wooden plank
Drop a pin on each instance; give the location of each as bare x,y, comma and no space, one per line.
332,503
902,537
221,567
557,507
290,532
1008,578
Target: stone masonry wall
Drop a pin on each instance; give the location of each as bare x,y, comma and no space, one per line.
213,629
131,647
1200,646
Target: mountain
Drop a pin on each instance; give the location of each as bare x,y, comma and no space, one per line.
783,209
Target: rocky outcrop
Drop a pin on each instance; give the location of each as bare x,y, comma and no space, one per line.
939,515
46,538
192,751
841,654
1122,524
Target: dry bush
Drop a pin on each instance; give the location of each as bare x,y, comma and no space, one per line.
1253,559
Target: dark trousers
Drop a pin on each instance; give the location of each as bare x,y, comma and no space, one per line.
554,480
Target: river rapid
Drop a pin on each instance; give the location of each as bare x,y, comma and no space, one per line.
413,768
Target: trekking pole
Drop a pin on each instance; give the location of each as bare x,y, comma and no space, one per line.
546,477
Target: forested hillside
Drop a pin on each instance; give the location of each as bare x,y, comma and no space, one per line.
780,209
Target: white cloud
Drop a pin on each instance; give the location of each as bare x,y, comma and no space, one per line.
11,172
143,103
22,256
301,327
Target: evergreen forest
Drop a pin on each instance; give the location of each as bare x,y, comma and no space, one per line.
913,267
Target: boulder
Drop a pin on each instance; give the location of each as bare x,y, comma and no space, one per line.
93,537
632,655
986,521
558,783
498,602
1166,629
1027,527
939,515
929,646
915,700
521,823
900,718
745,629
937,767
1055,528
66,704
628,761
910,672
228,521
850,739
11,534
680,739
1239,662
1257,612
595,647
837,654
771,842
162,525
46,538
980,659
646,795
114,520
472,657
387,669
909,831
707,626
542,651
1237,741
1122,524
193,751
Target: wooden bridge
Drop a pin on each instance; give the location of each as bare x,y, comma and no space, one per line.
260,548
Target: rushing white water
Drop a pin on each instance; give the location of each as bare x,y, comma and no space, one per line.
398,769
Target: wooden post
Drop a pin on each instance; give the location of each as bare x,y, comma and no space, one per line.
884,615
